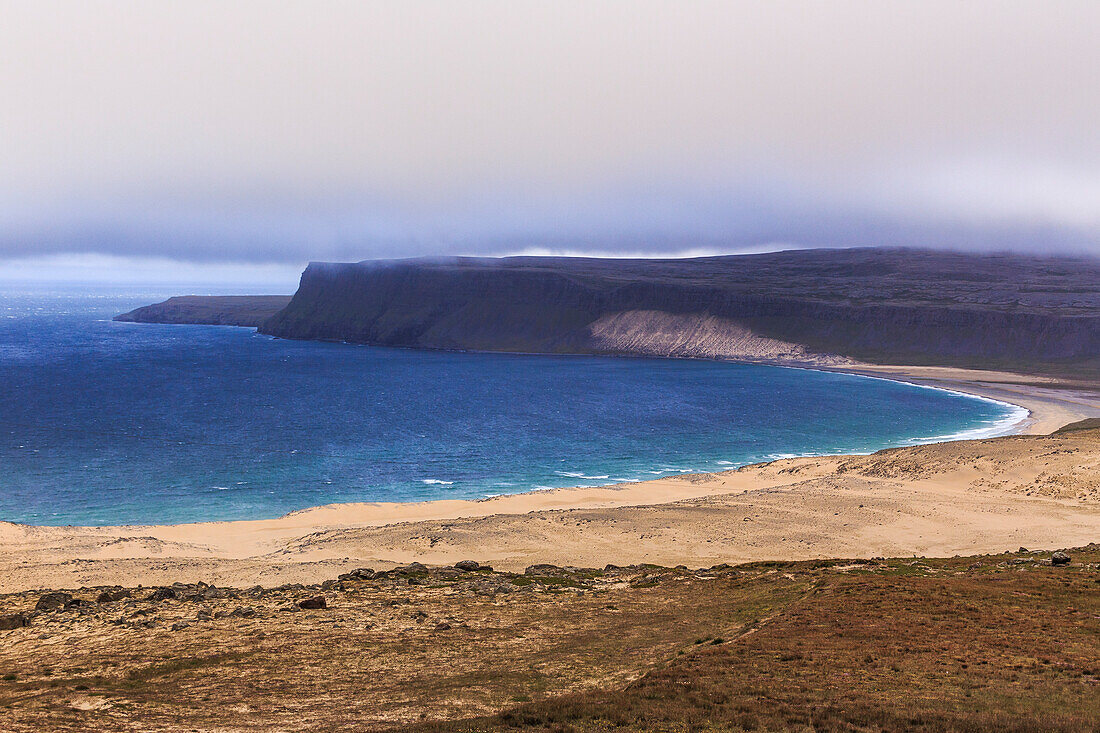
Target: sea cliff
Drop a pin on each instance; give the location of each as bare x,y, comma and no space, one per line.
808,307
214,310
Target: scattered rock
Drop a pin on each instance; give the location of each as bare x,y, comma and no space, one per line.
647,581
413,567
467,565
53,601
14,621
442,626
489,588
330,584
162,594
288,587
358,574
203,616
419,617
313,603
1023,549
180,625
1059,558
543,569
112,595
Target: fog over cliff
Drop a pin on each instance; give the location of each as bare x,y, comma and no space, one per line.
252,132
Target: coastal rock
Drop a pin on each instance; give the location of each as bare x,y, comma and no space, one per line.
53,601
1059,558
218,310
413,567
313,603
468,565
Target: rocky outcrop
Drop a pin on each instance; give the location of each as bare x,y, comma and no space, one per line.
799,307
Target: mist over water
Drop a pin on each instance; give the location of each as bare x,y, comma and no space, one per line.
111,423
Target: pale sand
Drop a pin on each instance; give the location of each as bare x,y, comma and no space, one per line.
1052,402
950,498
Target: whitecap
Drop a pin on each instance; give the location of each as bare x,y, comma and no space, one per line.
578,474
436,481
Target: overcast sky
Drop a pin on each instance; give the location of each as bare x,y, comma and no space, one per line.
280,132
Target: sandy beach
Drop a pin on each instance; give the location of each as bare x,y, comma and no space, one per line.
944,499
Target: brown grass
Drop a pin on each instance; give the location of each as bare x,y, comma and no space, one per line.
934,646
990,643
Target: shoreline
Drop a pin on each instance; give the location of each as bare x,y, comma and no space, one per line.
1051,403
1045,414
787,509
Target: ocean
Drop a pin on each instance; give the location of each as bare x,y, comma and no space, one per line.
111,423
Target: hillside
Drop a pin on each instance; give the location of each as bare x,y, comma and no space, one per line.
998,642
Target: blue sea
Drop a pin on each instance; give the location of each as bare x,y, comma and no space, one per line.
111,423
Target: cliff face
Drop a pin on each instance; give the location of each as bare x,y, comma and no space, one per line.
214,310
809,306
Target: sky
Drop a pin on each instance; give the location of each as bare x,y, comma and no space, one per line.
242,139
